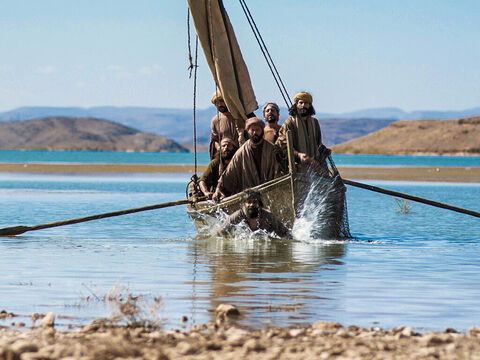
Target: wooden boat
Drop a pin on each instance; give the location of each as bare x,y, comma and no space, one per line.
286,197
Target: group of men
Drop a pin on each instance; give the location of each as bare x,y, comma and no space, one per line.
248,153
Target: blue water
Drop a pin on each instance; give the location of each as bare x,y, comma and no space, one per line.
418,269
42,156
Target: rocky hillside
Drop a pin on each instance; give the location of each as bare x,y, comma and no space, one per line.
84,133
417,137
177,124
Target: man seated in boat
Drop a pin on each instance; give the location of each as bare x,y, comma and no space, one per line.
271,115
224,125
256,162
307,136
255,216
209,179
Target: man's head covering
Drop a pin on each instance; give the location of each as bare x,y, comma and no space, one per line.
254,120
305,96
270,103
217,96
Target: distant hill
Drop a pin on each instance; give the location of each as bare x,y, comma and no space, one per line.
417,137
85,133
177,124
337,131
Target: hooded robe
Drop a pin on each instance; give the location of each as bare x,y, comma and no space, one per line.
241,173
223,126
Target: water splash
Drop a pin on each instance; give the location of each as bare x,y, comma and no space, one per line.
322,215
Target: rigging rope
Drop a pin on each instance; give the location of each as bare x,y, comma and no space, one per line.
193,66
266,53
195,103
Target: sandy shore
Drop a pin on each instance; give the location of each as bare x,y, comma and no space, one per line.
222,340
444,174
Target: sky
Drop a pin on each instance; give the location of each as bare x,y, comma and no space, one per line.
350,54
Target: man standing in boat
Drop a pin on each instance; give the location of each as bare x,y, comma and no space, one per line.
209,179
255,163
255,216
307,137
224,125
271,114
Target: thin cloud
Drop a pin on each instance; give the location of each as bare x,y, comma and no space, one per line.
114,68
119,72
47,69
150,70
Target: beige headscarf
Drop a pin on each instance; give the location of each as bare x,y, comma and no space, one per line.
305,96
217,96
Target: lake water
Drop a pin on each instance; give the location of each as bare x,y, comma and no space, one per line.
418,269
42,156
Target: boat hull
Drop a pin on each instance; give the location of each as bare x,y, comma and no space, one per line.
285,197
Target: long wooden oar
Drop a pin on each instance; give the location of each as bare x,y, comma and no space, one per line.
412,198
17,230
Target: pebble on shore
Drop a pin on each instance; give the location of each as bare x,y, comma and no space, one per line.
225,340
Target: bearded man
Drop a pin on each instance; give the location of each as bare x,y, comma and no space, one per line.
253,164
255,216
209,179
224,125
307,137
271,115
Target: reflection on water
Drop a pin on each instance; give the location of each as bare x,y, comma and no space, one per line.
271,280
418,269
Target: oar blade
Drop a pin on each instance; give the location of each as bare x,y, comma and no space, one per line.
14,230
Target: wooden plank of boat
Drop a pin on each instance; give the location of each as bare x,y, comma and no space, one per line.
276,196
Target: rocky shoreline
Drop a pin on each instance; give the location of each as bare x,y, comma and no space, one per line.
222,339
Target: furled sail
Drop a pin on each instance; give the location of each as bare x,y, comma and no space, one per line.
223,56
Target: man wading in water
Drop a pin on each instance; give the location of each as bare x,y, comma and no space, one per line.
253,214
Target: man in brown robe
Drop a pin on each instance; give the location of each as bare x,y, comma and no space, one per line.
253,164
209,179
307,137
224,125
255,216
271,115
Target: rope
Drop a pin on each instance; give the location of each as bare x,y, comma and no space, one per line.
266,54
195,103
191,66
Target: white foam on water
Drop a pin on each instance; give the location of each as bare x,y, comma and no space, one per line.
317,219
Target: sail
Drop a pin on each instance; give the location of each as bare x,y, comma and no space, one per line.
223,56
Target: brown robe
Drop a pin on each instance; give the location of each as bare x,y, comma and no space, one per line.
241,173
270,134
307,137
222,126
266,221
211,175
